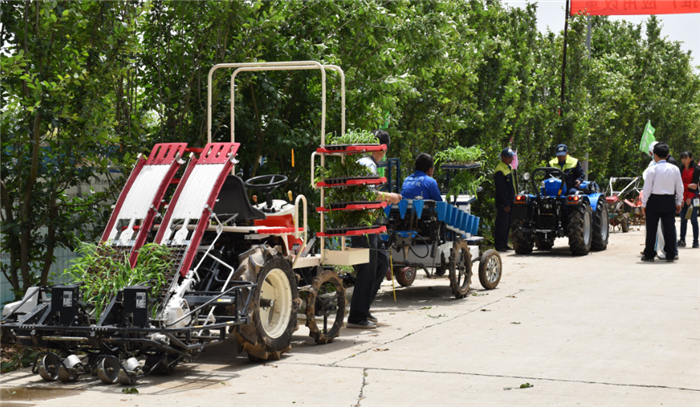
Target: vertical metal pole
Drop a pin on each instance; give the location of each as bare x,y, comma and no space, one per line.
588,98
563,67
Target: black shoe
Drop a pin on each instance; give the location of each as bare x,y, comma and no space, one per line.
503,249
695,245
372,319
681,243
509,248
362,325
646,259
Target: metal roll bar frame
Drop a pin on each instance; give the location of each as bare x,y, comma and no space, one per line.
280,66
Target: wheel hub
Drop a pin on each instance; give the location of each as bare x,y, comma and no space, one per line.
275,303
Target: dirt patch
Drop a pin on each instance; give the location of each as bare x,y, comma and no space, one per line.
23,394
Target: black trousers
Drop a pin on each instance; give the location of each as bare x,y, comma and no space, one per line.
369,276
661,207
502,227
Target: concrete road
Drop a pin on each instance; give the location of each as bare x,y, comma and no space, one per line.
600,330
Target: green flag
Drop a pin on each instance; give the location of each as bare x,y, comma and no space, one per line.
647,138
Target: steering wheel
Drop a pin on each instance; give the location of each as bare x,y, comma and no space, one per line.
266,184
548,172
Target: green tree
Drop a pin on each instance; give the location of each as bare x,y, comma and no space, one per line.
70,109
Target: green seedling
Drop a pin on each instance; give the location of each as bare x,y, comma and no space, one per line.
459,155
335,167
463,181
356,136
103,271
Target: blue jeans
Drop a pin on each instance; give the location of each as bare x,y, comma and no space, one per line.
693,221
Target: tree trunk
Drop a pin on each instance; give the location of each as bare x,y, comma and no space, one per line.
25,229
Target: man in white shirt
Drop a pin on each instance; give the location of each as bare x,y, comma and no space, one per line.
660,244
663,196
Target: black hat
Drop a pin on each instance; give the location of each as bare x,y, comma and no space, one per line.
507,152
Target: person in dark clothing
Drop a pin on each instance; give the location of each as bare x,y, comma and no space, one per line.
663,195
368,281
690,175
673,161
505,196
570,166
369,276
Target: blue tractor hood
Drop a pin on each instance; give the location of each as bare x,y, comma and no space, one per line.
551,187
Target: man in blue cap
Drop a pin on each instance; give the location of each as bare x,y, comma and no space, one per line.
570,166
505,196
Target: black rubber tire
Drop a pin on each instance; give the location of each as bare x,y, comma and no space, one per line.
253,338
579,238
625,222
460,269
440,270
406,276
322,279
543,244
489,264
522,242
601,226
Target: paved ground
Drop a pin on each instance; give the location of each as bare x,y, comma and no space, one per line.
600,330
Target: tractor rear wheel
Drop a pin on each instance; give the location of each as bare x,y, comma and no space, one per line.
580,229
272,309
601,226
522,241
460,269
326,299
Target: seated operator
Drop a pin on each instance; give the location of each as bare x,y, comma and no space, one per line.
421,183
569,166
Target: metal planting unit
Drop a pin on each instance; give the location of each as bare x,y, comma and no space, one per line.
237,268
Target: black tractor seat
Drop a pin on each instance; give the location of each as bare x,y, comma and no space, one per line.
233,199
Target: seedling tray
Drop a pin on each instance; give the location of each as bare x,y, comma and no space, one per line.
351,231
460,166
350,148
351,181
352,206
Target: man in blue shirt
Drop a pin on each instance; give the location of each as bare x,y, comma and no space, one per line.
421,183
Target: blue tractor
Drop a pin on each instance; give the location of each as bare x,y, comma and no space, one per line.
551,212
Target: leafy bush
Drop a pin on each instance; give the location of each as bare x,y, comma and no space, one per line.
14,358
103,271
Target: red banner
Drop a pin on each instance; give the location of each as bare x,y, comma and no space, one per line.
629,7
